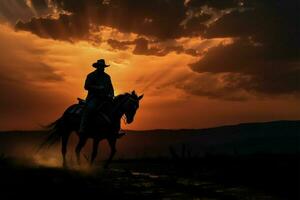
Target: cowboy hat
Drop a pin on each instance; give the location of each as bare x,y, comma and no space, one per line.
100,63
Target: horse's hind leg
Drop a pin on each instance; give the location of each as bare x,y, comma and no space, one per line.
112,144
80,145
64,143
95,150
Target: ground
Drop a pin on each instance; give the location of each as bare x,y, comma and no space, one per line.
253,177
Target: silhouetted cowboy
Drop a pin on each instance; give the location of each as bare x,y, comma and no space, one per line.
100,90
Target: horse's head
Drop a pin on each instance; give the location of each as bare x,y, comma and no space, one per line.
131,105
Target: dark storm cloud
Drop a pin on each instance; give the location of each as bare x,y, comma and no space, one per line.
263,58
273,25
66,27
194,26
215,86
40,5
266,50
143,46
223,4
156,18
13,10
159,18
120,45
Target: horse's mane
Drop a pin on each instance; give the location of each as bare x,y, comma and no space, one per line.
120,97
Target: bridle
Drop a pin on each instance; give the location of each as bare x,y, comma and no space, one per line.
127,98
112,115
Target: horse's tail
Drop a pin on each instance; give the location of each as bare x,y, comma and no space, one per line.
55,131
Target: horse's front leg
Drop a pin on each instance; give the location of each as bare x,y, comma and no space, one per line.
112,144
80,145
95,150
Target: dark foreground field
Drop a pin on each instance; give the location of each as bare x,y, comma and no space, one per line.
244,161
211,177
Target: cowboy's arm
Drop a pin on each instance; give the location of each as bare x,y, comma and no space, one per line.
111,91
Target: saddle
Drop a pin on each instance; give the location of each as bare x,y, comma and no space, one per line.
77,110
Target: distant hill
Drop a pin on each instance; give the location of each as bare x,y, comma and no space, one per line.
278,137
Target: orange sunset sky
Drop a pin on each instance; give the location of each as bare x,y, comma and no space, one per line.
199,63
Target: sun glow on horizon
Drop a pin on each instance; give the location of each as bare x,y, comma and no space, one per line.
53,74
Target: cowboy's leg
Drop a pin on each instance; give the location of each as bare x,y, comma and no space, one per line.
90,107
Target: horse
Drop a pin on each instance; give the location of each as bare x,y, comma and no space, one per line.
102,126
